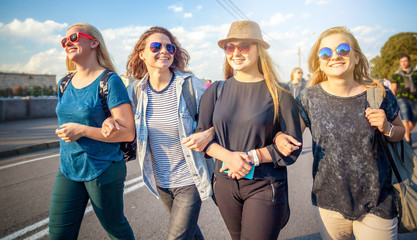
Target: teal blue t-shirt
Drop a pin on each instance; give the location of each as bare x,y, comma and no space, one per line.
85,159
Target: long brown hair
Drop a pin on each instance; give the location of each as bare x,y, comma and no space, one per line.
103,56
266,68
361,70
136,67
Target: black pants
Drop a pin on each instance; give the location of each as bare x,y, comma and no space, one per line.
252,209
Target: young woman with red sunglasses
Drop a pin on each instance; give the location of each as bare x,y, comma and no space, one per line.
91,165
352,188
180,177
250,175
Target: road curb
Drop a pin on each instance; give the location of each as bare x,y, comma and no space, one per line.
28,149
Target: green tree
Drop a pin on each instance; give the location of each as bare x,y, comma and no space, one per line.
385,64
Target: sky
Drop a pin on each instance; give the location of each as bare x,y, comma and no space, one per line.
31,31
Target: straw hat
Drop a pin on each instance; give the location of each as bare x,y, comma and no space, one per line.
244,30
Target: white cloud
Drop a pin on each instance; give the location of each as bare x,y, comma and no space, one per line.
51,61
175,8
199,7
188,15
277,19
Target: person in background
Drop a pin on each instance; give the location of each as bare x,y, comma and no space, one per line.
250,175
308,78
179,176
208,83
91,166
352,188
297,83
404,86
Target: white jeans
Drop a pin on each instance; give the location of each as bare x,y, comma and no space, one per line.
369,226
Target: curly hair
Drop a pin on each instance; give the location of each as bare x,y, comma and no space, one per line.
136,67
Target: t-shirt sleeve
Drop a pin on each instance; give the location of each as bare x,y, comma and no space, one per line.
390,105
117,93
289,123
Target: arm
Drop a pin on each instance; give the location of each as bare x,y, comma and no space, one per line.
122,114
286,144
377,118
198,141
289,122
394,88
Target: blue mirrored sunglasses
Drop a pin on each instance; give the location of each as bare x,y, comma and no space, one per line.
156,47
342,50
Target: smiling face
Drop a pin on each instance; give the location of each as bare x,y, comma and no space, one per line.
338,67
81,49
161,59
243,62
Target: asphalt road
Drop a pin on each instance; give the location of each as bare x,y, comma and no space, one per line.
26,183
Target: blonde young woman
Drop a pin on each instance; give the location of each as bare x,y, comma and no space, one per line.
250,183
297,82
352,188
180,177
91,166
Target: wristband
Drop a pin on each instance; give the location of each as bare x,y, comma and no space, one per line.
255,157
260,155
391,130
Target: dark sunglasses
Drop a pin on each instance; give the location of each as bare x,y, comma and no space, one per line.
243,48
156,47
342,50
75,37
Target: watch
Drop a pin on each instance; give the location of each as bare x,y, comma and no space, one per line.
391,130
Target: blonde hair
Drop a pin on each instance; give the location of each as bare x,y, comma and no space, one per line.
361,70
293,71
136,67
103,57
266,68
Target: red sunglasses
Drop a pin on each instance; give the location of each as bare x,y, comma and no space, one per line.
75,37
243,48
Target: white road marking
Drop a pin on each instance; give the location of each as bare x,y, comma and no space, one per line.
46,221
28,161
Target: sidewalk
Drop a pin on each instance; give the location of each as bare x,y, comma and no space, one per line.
23,136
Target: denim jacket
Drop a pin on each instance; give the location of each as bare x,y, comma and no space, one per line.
201,169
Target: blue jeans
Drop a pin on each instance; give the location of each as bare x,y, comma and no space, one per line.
69,200
183,204
408,110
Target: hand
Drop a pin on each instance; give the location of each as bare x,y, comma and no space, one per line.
198,141
238,164
109,126
70,132
377,118
286,144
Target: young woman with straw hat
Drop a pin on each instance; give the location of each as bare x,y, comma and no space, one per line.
250,182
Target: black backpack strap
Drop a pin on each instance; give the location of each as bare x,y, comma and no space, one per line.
189,97
219,89
65,82
103,91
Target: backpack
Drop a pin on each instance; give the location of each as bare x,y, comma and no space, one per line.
128,148
403,163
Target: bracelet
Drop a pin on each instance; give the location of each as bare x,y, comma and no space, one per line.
260,156
255,157
391,130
